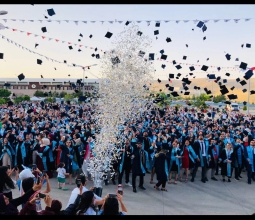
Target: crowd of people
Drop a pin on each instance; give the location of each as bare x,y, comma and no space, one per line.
38,139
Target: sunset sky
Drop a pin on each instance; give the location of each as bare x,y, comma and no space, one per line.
221,37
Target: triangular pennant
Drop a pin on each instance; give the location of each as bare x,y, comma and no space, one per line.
185,21
148,22
40,20
22,20
110,22
102,22
76,22
43,37
67,21
31,20
80,45
177,21
93,22
57,40
205,21
50,38
247,19
49,20
14,29
36,35
166,21
85,22
236,20
226,20
58,21
5,20
120,22
69,43
13,19
63,41
28,33
138,21
215,21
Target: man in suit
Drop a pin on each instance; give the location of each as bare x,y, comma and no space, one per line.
138,165
249,155
201,147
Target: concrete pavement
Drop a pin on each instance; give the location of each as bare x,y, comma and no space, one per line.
197,198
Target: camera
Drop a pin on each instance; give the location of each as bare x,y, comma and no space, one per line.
41,196
120,190
112,195
78,182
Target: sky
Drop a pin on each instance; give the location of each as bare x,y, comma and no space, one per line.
221,38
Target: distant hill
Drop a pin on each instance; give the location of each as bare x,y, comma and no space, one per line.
214,87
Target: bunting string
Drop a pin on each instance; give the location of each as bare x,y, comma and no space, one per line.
236,20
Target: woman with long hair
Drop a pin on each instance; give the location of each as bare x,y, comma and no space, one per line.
86,205
6,153
6,182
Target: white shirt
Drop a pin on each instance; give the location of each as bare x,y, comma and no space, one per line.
61,172
90,211
76,192
203,150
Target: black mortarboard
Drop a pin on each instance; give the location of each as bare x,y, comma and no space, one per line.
36,45
108,35
243,82
7,84
30,111
97,56
244,103
151,56
163,66
195,87
237,59
79,50
191,68
198,88
238,80
174,94
190,74
243,66
115,60
178,67
204,68
184,57
200,24
212,76
157,24
232,96
64,61
232,88
186,93
44,87
162,51
186,88
187,45
127,23
21,76
42,76
174,62
44,29
219,83
159,80
1,56
167,85
227,74
58,86
79,39
218,78
224,91
248,45
39,61
204,28
248,74
163,57
81,35
252,92
90,36
51,12
224,81
204,38
76,90
244,90
70,47
208,92
93,55
168,39
242,45
228,56
171,88
156,32
171,76
179,74
139,33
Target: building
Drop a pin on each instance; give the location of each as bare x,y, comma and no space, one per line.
28,86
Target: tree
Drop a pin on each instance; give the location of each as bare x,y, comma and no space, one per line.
62,94
18,99
68,97
2,101
165,100
219,98
203,97
26,98
4,93
244,107
78,94
39,93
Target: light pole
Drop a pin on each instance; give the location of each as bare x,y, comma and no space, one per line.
83,78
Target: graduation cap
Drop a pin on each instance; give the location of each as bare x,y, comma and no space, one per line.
237,59
227,74
127,23
174,62
141,53
58,86
36,45
7,84
168,39
108,35
159,81
232,96
244,90
252,92
93,55
82,99
44,29
184,57
204,38
204,28
157,24
186,80
79,50
212,76
186,88
219,83
248,45
156,32
163,66
151,56
42,76
39,62
97,56
171,88
64,61
171,76
178,67
139,33
191,68
162,51
163,57
79,39
174,94
51,12
167,85
228,56
204,68
243,65
224,81
76,90
200,24
70,47
248,74
90,36
1,56
115,60
190,74
218,78
207,59
179,74
21,76
232,88
44,87
218,68
244,103
187,45
195,87
81,35
243,82
227,102
238,80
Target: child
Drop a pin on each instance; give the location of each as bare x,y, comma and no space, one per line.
61,176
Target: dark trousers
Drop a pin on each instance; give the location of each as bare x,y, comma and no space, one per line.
160,182
134,180
238,170
250,174
217,168
127,172
204,169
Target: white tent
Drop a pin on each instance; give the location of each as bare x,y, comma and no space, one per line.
34,98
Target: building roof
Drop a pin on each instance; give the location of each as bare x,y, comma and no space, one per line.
62,80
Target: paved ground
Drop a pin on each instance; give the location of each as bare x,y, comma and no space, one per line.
197,198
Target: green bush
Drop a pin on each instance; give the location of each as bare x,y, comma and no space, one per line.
2,101
244,107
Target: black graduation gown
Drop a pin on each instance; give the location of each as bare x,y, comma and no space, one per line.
161,164
223,156
136,162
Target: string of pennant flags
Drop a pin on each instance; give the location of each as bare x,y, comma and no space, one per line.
236,20
46,57
103,51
